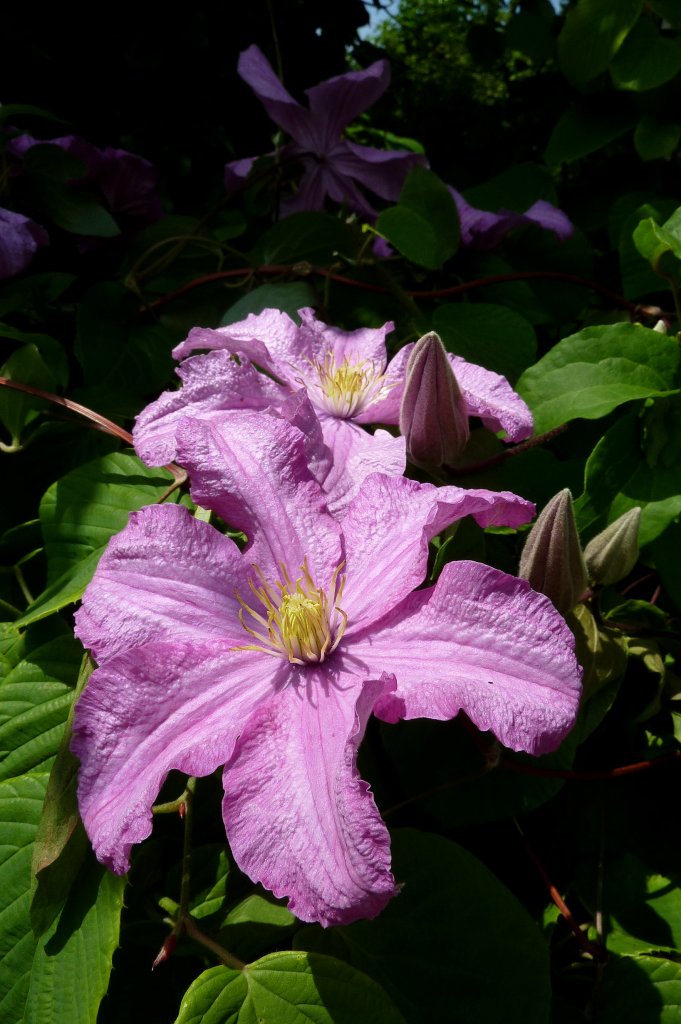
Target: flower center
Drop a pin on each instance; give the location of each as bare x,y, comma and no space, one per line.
347,388
299,622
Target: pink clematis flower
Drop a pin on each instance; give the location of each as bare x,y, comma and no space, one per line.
347,378
332,166
271,660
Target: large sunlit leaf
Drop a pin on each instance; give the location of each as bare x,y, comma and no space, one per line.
288,988
455,945
591,373
21,802
640,990
86,507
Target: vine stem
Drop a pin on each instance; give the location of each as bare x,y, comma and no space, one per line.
594,949
95,419
305,269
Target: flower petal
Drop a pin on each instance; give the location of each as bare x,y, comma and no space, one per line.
266,338
383,171
160,707
253,472
298,817
163,577
490,396
357,454
484,643
550,217
19,238
338,101
365,343
387,528
387,410
257,71
212,386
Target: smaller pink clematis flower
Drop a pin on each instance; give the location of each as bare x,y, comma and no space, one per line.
482,229
347,378
333,166
270,660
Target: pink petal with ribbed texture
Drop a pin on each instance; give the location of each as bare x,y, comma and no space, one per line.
387,528
164,706
365,343
253,472
298,817
387,410
212,385
300,412
266,338
484,643
165,576
357,454
257,71
490,396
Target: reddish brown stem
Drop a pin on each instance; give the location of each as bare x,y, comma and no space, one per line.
507,453
304,269
594,949
607,773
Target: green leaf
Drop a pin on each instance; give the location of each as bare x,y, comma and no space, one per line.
619,476
84,509
291,987
492,336
646,59
654,242
21,802
288,298
516,188
35,698
640,990
593,32
655,140
529,34
591,373
638,278
18,409
60,843
644,907
316,237
72,962
66,590
123,360
454,945
424,226
35,292
667,9
51,351
583,129
51,170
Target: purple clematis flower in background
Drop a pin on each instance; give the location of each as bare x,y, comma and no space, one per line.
271,660
332,165
347,378
127,181
19,238
482,229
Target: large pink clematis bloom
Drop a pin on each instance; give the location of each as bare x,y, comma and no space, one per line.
332,165
347,378
270,661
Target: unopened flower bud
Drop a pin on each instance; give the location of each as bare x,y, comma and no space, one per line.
552,560
433,415
612,554
662,327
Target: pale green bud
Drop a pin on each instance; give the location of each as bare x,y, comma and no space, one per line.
612,554
551,560
433,415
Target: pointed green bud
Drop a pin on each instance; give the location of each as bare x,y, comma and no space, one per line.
612,554
433,415
552,560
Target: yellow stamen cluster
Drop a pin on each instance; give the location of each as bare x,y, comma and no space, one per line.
349,387
300,622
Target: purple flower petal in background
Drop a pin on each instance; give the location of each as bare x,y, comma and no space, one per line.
271,660
332,166
127,181
19,238
482,229
347,378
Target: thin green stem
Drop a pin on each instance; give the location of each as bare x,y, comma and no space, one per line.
23,586
227,958
185,885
